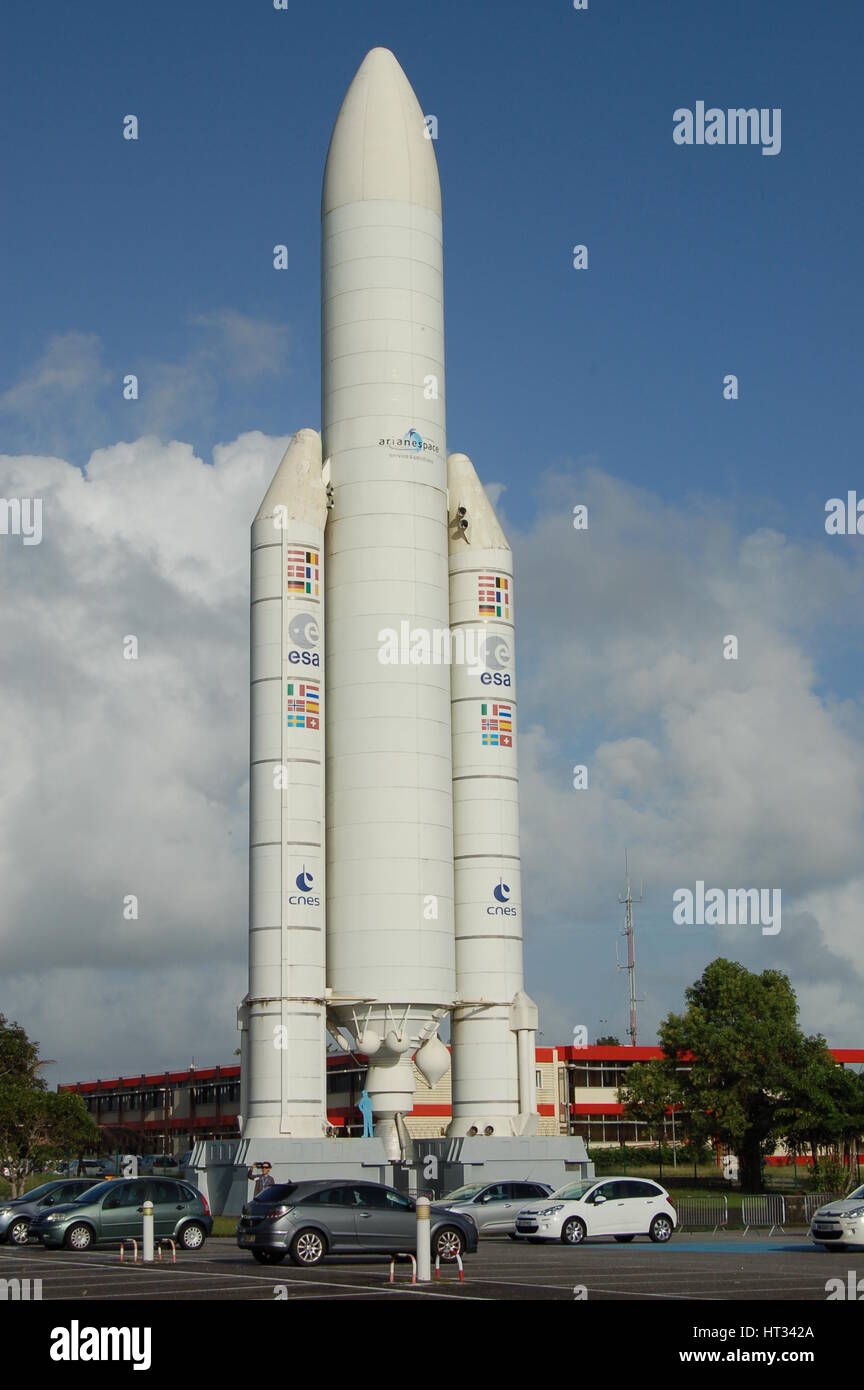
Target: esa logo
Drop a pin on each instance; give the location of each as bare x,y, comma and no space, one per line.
502,908
304,881
495,657
304,632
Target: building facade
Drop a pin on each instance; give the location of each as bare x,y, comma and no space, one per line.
577,1094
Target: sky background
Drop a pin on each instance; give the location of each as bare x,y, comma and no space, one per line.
706,516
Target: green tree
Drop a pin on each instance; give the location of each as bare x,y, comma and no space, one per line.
648,1093
608,1040
35,1123
740,1034
19,1057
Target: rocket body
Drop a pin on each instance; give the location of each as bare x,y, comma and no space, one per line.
390,950
360,934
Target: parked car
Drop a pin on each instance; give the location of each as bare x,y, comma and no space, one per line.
309,1220
619,1207
93,1168
113,1210
17,1213
494,1206
148,1162
841,1223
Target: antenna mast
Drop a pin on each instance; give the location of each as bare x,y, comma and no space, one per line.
630,934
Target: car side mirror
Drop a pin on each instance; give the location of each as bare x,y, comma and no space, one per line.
49,1202
487,1197
598,1199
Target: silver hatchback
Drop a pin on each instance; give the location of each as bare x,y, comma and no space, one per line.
494,1206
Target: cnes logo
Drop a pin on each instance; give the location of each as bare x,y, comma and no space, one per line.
77,1343
853,1289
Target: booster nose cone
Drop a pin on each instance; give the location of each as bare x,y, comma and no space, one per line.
472,516
380,148
297,486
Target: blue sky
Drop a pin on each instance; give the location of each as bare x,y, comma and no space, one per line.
555,128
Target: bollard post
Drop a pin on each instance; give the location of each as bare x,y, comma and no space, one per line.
147,1243
424,1243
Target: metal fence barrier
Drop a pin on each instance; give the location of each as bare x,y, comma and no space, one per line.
814,1200
702,1211
764,1211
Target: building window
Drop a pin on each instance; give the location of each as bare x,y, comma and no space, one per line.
538,1078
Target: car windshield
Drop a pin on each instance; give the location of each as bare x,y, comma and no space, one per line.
36,1192
279,1193
575,1191
856,1195
94,1194
463,1194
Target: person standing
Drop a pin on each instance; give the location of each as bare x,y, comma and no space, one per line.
266,1178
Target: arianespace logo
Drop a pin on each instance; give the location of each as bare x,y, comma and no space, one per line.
411,442
502,906
305,881
304,633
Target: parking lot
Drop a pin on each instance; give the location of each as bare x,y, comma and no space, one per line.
691,1267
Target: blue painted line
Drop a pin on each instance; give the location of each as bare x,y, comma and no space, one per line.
712,1247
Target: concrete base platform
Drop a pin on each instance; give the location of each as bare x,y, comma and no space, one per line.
219,1167
435,1166
442,1164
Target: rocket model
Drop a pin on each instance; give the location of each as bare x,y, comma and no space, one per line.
383,712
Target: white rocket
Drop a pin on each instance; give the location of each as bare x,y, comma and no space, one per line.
370,751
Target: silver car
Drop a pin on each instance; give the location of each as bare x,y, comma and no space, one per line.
493,1206
17,1213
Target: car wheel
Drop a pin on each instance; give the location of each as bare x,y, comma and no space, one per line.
269,1257
19,1232
623,1240
661,1229
78,1238
308,1248
573,1232
193,1236
512,1235
448,1244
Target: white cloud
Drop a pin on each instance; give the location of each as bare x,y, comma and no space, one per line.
130,777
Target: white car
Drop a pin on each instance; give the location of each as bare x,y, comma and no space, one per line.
619,1207
840,1223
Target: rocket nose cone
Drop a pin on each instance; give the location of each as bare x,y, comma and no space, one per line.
482,529
297,484
380,147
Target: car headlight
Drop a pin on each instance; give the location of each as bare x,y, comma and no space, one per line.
855,1213
55,1216
6,1211
550,1211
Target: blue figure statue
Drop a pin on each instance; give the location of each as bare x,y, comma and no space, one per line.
365,1108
